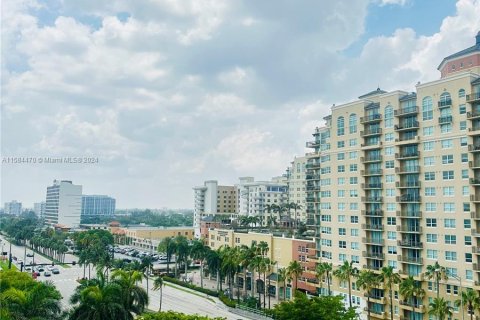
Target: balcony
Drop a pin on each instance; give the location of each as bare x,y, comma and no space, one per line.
372,199
410,244
409,229
406,111
445,103
409,215
475,267
379,242
474,164
371,132
376,314
371,159
313,188
375,227
408,140
372,185
407,126
371,118
371,172
372,213
312,177
312,199
407,169
407,305
408,198
445,119
412,260
312,144
474,233
408,184
474,215
374,298
474,97
373,255
312,165
475,250
473,115
407,155
376,145
474,198
371,267
474,148
475,182
474,130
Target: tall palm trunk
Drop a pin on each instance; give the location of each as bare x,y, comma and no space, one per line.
328,283
264,289
368,306
350,293
201,273
391,302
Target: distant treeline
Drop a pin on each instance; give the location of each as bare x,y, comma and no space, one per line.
166,218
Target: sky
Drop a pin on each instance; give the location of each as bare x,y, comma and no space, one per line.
162,95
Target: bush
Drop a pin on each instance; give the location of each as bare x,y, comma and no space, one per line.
227,301
190,286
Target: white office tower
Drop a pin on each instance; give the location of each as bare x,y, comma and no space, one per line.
64,204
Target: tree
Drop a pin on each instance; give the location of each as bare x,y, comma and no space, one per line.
167,245
440,309
257,263
182,251
302,308
198,252
411,290
389,279
367,280
134,298
438,273
345,273
282,278
270,208
146,266
214,263
469,299
295,207
158,285
321,270
295,270
247,254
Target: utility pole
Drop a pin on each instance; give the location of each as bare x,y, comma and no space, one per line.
10,257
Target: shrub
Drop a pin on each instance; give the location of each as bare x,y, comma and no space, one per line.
227,301
191,286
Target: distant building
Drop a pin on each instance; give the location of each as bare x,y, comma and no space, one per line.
13,207
39,209
97,205
212,199
296,180
63,204
147,237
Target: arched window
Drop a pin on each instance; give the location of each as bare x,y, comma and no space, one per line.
340,126
445,99
352,123
461,93
388,116
427,108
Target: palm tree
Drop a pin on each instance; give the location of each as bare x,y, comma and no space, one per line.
295,207
440,309
167,245
256,264
345,273
134,297
411,290
323,269
389,279
158,285
214,263
146,267
269,208
247,254
469,299
282,277
438,273
367,280
198,252
295,270
181,253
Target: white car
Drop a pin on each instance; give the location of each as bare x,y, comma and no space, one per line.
51,268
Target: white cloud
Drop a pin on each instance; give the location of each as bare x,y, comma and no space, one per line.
391,2
225,105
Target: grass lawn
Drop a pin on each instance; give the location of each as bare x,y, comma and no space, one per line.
202,295
4,265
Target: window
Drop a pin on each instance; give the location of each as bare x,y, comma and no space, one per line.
447,143
353,168
448,175
427,131
468,240
341,193
465,191
390,192
432,254
427,108
461,93
356,259
342,231
353,180
389,151
464,157
449,223
352,155
392,250
447,159
432,238
463,141
341,218
428,145
354,219
341,168
462,109
431,222
352,123
340,126
341,181
392,263
342,244
449,207
342,257
390,164
388,117
341,156
391,221
352,142
450,256
354,232
450,239
353,206
391,207
464,173
430,207
353,193
448,191
429,161
429,176
340,144
468,257
469,274
389,178
391,235
467,223
389,137
355,246
429,191
463,125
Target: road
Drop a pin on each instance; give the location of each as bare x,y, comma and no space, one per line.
173,298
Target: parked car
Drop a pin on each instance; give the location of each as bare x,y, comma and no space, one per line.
29,269
47,274
40,269
55,271
51,268
30,254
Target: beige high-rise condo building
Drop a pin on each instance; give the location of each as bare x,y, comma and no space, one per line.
297,187
394,180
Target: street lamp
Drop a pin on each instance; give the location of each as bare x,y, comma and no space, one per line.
461,291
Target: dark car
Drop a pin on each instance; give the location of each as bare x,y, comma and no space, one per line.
40,269
55,271
29,254
47,274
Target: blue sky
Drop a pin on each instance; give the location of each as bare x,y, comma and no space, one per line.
168,94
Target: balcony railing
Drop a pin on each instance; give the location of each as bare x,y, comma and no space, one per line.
407,125
312,165
474,130
373,241
473,114
372,227
408,169
406,111
406,155
474,148
410,139
409,229
372,199
312,177
445,103
371,159
474,164
371,132
475,181
474,97
372,213
373,255
408,184
445,119
372,185
409,244
371,118
371,172
312,144
377,144
409,198
414,260
409,214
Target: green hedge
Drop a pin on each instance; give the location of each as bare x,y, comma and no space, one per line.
227,301
191,286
